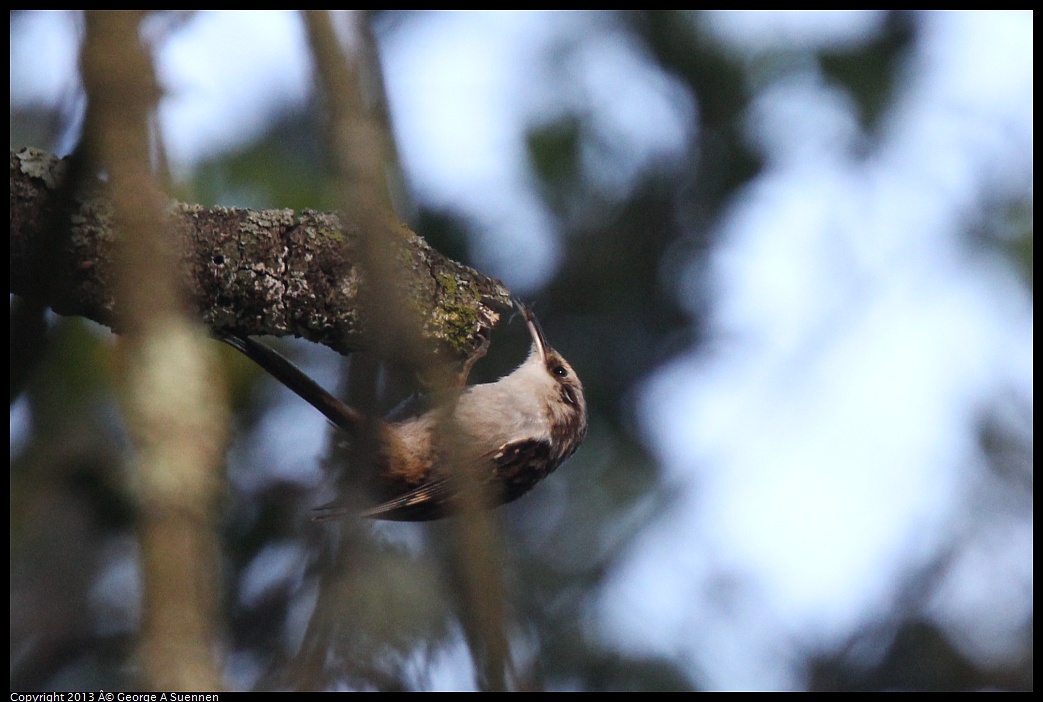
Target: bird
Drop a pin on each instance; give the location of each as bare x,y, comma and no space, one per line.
509,434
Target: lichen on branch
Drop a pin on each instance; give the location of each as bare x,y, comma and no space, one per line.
271,272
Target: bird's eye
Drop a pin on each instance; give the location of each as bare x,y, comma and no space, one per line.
561,372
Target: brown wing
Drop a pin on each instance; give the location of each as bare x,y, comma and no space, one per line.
516,468
519,465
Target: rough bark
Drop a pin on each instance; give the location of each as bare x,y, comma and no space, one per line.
274,272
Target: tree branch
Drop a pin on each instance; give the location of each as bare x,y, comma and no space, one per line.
272,272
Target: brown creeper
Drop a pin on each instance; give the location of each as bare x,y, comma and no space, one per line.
512,433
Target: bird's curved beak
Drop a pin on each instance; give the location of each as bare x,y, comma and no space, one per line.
534,327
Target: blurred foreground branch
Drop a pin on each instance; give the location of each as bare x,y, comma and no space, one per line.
171,389
363,149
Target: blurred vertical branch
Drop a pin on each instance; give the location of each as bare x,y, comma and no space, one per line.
174,408
363,149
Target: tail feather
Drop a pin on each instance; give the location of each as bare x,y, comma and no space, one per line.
343,416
